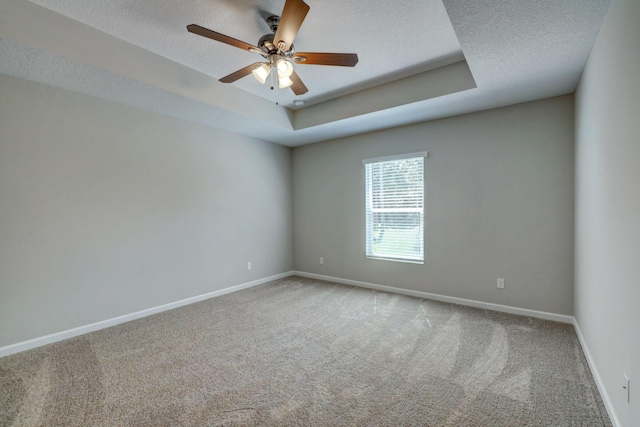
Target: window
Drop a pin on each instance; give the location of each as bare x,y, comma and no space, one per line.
394,208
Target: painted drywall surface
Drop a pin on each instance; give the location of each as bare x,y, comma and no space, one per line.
57,33
607,287
437,82
499,203
106,210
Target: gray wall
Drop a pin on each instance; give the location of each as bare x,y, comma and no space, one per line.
106,210
499,203
607,294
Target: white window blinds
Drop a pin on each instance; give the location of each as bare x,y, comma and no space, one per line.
394,208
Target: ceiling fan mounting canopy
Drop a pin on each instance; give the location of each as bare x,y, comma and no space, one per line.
273,22
278,49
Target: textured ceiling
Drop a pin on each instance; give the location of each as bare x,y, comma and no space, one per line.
366,27
419,60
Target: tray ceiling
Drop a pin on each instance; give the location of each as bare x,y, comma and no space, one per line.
419,60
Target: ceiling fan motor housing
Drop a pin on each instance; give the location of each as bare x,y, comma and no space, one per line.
266,42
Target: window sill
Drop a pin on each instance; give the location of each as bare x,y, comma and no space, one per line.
406,261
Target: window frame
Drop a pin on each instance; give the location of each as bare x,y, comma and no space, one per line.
368,211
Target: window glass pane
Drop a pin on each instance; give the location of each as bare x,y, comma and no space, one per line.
394,209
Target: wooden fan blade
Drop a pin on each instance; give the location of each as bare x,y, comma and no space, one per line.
240,73
297,87
316,58
293,14
210,34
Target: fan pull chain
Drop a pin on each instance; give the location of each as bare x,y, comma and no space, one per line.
274,84
271,73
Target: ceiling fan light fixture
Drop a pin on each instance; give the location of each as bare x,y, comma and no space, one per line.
285,68
278,50
262,72
284,82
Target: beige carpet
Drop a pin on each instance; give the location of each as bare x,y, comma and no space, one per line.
301,352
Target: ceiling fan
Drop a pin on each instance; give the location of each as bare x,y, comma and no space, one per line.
278,50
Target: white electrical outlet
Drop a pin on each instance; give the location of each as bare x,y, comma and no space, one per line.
500,283
321,260
248,266
626,385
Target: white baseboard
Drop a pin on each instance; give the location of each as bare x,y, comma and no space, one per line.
596,376
496,307
70,333
454,300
